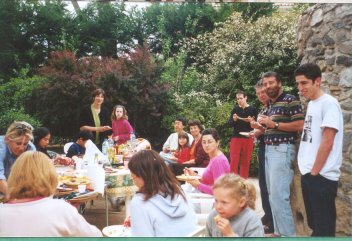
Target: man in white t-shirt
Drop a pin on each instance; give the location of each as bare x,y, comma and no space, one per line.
171,144
320,151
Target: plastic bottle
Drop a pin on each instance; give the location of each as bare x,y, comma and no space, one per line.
110,142
133,140
105,147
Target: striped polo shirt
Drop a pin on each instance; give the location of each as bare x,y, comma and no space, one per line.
287,108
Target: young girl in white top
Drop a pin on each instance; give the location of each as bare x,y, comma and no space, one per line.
234,214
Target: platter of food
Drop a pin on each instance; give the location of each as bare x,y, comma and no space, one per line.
187,178
116,231
73,182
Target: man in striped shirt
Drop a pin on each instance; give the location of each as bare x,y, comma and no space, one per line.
283,121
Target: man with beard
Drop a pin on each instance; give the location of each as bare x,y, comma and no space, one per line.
283,120
258,133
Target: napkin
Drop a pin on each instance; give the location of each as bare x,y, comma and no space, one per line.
96,175
91,150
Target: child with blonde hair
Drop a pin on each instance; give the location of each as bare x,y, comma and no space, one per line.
234,214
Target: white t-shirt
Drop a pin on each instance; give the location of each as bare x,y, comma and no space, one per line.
172,141
322,112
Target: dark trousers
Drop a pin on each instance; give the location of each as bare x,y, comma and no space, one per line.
262,184
319,195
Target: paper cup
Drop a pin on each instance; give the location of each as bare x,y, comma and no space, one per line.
81,188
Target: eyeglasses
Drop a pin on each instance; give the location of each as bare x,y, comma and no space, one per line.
22,126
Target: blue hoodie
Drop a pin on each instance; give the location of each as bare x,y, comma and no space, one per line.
161,217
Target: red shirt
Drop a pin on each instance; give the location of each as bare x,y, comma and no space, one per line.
183,155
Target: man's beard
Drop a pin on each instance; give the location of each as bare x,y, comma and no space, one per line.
273,92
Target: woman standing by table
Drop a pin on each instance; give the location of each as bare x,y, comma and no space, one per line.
95,118
160,208
218,164
16,141
31,210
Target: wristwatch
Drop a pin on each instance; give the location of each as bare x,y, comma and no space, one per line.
276,125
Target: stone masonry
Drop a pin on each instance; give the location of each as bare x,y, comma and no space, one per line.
324,36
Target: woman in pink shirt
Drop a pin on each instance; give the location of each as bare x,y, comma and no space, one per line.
121,128
218,164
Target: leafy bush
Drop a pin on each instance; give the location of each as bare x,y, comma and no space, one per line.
11,115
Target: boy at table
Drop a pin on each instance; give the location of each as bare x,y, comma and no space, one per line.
78,148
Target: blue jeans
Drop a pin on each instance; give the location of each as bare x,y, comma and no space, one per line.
279,174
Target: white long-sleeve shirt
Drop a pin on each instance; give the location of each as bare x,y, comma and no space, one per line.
45,217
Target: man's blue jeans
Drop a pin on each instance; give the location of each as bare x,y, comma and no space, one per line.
279,174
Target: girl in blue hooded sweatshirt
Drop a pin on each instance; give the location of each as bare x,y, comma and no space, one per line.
159,208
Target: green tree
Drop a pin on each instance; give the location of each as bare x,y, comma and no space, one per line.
103,29
167,24
9,33
30,30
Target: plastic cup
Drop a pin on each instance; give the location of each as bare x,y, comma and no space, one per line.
119,159
81,188
125,163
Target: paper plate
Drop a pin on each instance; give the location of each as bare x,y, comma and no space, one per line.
247,134
116,231
187,178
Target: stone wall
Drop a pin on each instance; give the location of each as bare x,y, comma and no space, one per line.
324,36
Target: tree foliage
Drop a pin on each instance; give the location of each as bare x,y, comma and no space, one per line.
236,53
103,30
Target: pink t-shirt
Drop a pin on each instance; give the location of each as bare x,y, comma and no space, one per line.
217,166
121,128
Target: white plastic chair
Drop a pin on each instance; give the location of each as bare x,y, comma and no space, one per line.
67,146
199,232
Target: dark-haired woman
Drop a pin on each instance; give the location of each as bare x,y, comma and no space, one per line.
160,208
217,166
96,118
41,141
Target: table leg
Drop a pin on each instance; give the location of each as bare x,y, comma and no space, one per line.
106,209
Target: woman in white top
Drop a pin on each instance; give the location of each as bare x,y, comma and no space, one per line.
31,210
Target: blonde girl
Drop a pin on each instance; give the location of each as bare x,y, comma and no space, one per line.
121,128
234,214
